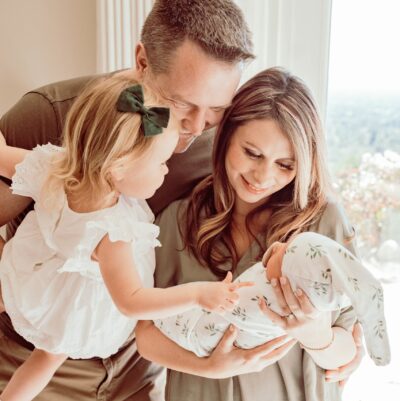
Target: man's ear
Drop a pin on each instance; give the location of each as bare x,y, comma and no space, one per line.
141,60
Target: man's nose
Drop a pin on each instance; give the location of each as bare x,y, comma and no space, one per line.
195,122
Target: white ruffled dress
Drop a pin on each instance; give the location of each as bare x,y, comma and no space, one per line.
52,290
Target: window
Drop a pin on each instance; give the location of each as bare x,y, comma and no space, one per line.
363,132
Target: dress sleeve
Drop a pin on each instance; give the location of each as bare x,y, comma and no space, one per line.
31,173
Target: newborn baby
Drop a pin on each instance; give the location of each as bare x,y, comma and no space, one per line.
331,276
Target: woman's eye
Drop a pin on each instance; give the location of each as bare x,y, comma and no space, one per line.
285,166
251,154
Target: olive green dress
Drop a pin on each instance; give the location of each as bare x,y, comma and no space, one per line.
293,378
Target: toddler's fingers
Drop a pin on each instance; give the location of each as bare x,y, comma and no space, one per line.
235,286
233,296
228,278
228,306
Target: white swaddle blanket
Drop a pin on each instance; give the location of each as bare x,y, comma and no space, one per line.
327,272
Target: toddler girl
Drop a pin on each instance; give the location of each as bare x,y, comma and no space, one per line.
78,273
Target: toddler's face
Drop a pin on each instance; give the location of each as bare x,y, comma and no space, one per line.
146,173
273,258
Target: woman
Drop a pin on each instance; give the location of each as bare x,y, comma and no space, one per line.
269,182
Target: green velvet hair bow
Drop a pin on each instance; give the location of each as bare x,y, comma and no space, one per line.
154,119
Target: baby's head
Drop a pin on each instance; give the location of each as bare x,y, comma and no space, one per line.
273,258
114,151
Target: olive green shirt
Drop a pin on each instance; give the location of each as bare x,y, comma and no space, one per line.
295,377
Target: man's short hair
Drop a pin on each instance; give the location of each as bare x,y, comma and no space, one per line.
217,26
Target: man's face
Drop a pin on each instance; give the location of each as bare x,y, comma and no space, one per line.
198,89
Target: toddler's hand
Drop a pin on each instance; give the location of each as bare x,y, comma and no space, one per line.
221,296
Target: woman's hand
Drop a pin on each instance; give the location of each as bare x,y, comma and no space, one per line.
343,373
227,360
302,320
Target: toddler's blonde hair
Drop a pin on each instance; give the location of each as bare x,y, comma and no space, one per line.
97,139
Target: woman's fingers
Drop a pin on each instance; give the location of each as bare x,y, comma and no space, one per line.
274,317
279,296
280,351
306,306
273,350
227,340
358,336
291,298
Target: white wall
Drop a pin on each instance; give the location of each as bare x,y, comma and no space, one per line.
43,41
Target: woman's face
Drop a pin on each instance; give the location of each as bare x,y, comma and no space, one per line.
259,162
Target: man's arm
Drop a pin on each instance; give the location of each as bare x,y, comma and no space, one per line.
11,205
30,122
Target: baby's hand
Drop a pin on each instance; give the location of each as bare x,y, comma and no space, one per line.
221,296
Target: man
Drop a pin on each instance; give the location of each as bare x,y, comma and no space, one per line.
193,53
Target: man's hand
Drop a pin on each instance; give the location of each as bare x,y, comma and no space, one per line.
343,373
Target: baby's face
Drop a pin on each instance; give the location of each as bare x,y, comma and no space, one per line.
273,264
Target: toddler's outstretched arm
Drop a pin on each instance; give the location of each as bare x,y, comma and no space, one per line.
123,282
32,376
9,157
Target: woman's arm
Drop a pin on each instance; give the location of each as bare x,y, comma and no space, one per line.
225,361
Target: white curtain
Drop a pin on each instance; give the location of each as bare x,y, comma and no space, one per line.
289,33
119,23
292,34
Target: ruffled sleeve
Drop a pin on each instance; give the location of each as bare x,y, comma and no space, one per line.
31,173
125,223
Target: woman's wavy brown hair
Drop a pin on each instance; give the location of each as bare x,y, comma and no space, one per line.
273,94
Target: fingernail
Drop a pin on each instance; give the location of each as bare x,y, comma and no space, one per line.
231,328
273,282
283,280
299,292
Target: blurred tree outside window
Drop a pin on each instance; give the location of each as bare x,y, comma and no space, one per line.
363,135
